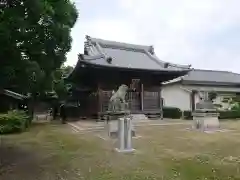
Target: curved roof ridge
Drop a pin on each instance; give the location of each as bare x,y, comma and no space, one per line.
180,66
167,64
126,55
212,70
156,59
90,58
120,45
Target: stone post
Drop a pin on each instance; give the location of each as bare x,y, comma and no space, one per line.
121,143
129,134
124,135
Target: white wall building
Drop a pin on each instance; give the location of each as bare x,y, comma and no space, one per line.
183,92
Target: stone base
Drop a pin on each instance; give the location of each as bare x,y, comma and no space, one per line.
114,134
112,129
208,131
206,121
138,117
125,150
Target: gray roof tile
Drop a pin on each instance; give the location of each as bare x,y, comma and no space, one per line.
199,75
127,55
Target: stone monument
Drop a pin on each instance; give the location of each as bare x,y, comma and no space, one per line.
205,117
122,128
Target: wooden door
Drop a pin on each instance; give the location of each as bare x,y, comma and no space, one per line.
105,97
151,100
134,100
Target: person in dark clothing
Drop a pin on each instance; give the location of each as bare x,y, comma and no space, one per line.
63,114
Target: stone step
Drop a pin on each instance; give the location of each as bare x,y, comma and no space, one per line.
139,117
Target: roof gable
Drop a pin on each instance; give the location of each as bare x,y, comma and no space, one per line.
126,55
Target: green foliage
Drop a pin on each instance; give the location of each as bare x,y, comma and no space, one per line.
235,103
172,112
35,37
13,121
59,85
233,114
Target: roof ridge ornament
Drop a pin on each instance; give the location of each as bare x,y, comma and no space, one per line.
180,66
109,59
98,48
165,65
88,37
151,50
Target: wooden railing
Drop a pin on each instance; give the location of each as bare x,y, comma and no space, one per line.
151,100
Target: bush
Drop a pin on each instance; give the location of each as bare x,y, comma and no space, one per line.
229,114
13,121
172,112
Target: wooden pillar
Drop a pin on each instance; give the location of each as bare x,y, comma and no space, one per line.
99,99
161,102
192,98
142,97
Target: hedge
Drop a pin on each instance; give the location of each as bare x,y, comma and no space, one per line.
232,114
13,122
229,114
172,112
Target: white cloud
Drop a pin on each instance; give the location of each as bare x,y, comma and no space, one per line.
182,31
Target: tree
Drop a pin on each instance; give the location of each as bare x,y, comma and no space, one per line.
59,86
34,38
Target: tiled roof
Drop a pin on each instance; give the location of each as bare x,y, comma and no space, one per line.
200,76
212,76
117,54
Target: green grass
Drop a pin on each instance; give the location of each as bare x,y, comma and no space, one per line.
49,152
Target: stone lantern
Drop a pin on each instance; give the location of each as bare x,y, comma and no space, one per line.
205,116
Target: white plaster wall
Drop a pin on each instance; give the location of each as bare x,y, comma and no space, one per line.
175,96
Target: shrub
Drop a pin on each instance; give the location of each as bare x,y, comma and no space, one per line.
229,114
13,121
172,112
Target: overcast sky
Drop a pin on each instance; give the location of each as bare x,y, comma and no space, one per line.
203,33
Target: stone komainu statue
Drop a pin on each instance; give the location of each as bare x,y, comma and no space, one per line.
117,101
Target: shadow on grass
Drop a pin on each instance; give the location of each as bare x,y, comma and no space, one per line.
20,157
15,159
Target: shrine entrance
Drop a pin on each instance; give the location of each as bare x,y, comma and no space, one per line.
134,96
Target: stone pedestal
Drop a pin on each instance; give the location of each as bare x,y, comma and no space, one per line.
112,124
124,135
205,120
112,129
